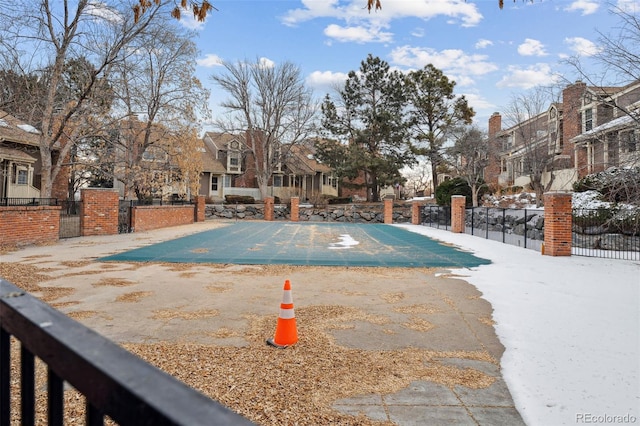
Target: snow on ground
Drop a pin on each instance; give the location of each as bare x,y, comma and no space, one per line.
570,327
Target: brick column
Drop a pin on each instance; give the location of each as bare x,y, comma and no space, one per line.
295,209
557,224
99,211
268,208
457,213
415,212
200,205
388,210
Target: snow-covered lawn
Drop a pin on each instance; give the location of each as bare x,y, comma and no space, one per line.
570,326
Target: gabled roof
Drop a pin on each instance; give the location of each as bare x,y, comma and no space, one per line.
14,130
16,155
220,141
209,162
302,160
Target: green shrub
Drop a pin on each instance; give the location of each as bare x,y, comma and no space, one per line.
455,186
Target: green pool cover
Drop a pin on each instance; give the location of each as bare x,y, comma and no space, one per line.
326,244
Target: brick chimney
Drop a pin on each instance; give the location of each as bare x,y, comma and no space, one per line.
495,124
572,120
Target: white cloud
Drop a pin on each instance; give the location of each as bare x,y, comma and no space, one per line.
482,43
325,80
454,61
358,34
582,46
103,11
459,11
527,78
266,63
531,47
478,103
210,60
587,7
418,32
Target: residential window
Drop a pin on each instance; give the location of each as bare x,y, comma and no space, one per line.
22,177
214,183
227,181
277,181
588,119
629,140
233,161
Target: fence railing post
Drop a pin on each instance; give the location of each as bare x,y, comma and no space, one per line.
557,224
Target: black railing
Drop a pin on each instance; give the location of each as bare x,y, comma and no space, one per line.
14,201
518,227
173,201
436,216
114,382
606,232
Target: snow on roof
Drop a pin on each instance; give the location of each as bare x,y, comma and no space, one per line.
28,128
615,124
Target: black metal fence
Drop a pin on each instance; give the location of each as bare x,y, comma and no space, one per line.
518,227
608,233
605,232
436,216
70,218
13,201
114,382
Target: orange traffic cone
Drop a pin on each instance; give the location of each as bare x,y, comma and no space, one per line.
286,332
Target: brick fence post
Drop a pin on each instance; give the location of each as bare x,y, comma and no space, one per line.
200,207
458,203
99,214
557,224
415,212
388,210
295,209
268,208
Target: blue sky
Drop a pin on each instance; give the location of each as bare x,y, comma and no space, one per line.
490,53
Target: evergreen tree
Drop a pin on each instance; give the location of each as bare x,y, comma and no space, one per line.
366,128
435,112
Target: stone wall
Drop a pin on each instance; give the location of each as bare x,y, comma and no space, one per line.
353,213
508,221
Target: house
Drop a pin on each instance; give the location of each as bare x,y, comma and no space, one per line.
20,163
302,175
610,128
229,169
590,129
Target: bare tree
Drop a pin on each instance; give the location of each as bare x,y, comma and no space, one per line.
271,106
419,179
159,100
469,156
529,150
55,33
